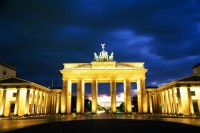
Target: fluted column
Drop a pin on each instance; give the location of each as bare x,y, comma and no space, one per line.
155,103
128,96
167,101
64,97
58,103
94,96
174,93
139,96
80,97
40,102
191,109
162,102
17,102
125,108
2,101
32,102
69,96
113,95
47,103
159,106
170,100
45,100
143,96
37,100
52,103
179,101
27,101
150,103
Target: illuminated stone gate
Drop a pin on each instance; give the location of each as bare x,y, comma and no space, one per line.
103,70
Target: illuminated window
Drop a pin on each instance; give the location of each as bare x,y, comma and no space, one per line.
4,72
192,93
14,95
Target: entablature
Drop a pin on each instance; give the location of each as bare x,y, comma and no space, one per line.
104,65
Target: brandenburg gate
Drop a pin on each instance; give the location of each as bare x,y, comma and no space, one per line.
103,70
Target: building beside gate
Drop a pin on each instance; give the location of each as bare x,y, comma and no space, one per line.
19,97
181,96
7,71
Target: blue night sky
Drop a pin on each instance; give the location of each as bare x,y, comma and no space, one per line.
38,36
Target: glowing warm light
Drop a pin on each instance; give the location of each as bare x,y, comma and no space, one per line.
105,100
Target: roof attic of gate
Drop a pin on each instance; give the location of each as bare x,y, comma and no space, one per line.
104,65
104,61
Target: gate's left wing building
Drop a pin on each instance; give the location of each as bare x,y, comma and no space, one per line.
20,97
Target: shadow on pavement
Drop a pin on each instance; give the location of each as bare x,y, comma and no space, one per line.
110,126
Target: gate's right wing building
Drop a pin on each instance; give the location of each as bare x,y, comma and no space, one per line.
180,97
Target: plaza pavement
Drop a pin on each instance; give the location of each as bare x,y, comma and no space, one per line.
101,123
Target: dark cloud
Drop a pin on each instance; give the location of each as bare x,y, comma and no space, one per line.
38,36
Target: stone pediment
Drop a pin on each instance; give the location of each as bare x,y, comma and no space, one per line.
190,78
13,80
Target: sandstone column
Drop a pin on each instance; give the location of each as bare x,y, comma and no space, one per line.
27,101
170,100
37,100
94,96
159,106
40,102
162,102
17,102
174,100
69,96
179,101
125,107
191,110
49,104
80,97
150,103
3,100
113,95
32,102
66,97
128,96
57,103
45,100
143,96
167,101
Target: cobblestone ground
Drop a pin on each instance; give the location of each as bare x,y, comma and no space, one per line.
100,123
